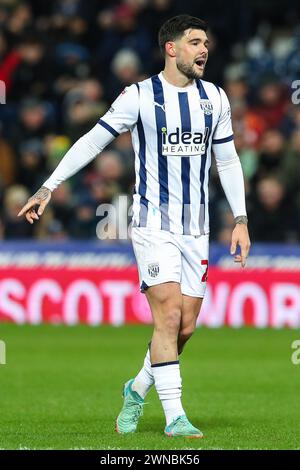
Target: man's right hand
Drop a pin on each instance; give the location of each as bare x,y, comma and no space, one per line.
41,199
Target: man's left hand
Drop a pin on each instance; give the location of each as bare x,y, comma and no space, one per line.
240,236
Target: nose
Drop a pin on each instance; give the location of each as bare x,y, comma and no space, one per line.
203,50
206,49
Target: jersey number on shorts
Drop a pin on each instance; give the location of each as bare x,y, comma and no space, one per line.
204,262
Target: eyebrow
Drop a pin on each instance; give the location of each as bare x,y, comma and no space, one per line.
200,40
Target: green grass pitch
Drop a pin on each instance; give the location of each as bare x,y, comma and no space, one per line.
61,388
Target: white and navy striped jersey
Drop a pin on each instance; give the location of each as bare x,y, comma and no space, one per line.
173,133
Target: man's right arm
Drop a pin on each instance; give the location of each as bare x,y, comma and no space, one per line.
122,116
79,155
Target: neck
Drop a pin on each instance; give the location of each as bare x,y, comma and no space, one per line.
175,77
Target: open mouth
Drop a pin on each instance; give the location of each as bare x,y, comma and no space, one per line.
200,63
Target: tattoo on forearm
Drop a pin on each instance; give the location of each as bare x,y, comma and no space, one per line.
41,194
241,219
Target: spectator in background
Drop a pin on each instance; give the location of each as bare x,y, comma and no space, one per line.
9,61
55,232
55,147
62,209
271,157
272,103
15,19
106,177
1,229
33,122
291,64
126,68
33,70
226,223
7,163
83,105
291,121
64,62
291,174
248,123
14,199
72,65
272,215
155,14
83,225
32,164
111,169
237,90
248,157
122,145
62,202
123,33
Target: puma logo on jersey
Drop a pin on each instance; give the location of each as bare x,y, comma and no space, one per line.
162,106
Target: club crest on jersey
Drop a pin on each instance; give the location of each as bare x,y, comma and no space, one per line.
206,106
184,144
153,269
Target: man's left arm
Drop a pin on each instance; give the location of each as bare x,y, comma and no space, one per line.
232,180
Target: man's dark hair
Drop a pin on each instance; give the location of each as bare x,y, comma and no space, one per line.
174,28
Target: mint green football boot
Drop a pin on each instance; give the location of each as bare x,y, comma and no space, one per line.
181,427
132,410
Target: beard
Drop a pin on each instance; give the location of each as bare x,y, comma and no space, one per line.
188,71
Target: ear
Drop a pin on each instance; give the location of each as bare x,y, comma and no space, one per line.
170,49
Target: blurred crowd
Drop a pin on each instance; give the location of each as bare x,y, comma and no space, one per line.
64,62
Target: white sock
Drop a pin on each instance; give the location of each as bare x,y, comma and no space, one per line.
168,385
144,380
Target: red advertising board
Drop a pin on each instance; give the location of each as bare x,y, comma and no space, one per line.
258,297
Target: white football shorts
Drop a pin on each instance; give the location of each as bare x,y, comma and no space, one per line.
164,256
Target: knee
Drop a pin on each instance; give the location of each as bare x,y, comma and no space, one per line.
185,333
